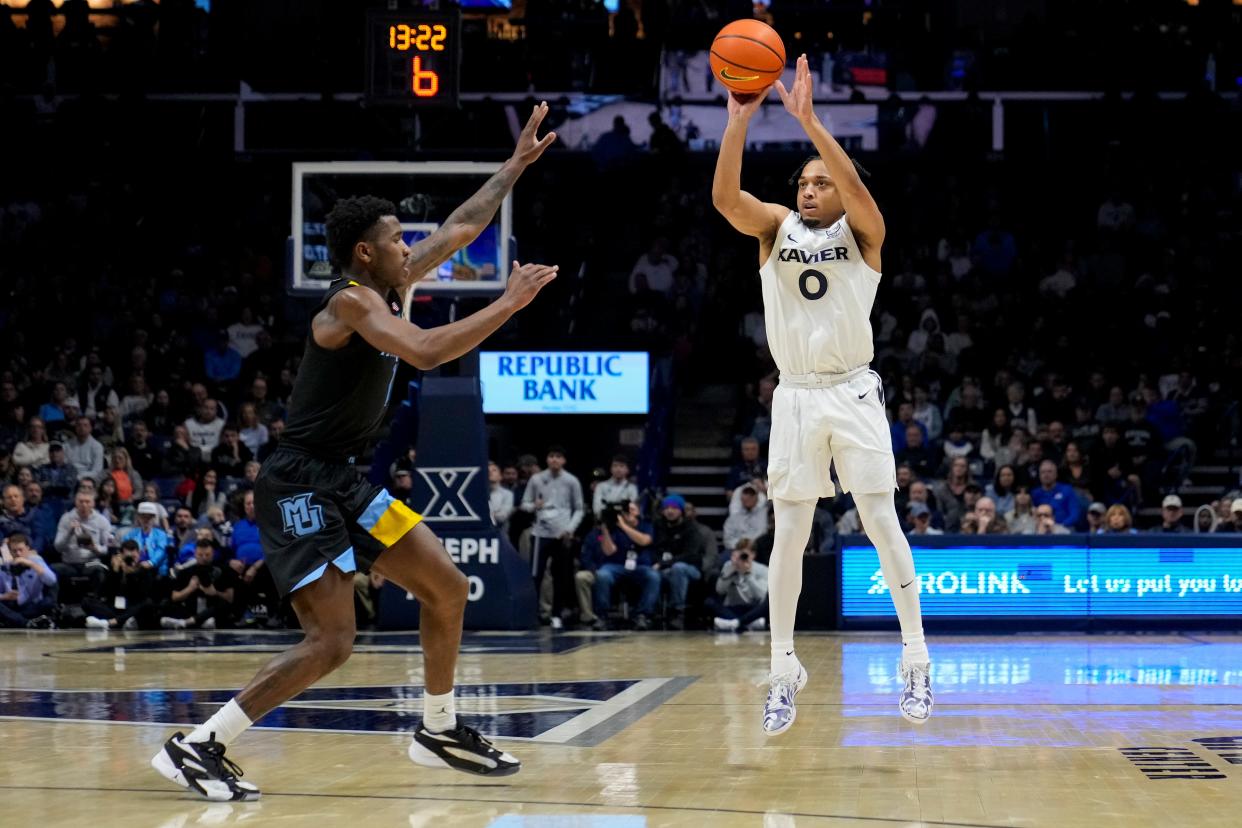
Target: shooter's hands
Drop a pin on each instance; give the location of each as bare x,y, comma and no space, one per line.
744,104
798,100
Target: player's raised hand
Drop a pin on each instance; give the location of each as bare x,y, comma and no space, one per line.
527,280
743,105
529,147
798,100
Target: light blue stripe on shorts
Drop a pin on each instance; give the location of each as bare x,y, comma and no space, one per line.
344,562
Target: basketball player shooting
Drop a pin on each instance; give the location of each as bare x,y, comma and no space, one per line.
320,520
819,271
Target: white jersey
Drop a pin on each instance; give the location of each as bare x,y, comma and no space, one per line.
817,297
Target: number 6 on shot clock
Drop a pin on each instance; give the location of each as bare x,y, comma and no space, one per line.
413,57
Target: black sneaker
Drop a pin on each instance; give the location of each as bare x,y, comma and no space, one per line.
642,623
41,622
463,749
203,768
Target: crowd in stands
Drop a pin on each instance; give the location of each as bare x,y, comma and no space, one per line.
1055,330
612,546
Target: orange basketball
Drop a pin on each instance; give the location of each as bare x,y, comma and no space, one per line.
748,56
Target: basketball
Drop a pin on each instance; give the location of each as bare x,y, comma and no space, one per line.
747,56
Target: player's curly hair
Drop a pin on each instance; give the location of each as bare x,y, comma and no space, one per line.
793,179
349,222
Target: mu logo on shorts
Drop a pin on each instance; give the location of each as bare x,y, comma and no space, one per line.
300,516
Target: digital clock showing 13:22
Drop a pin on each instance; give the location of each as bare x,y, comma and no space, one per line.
413,57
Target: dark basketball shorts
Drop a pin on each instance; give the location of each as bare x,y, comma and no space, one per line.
312,513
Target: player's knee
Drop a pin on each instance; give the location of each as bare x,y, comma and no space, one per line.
455,592
339,647
332,648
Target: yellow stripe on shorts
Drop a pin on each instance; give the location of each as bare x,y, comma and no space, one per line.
394,523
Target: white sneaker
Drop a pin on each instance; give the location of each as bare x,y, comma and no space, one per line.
557,623
131,623
725,624
166,622
916,698
758,625
779,710
95,623
209,624
203,768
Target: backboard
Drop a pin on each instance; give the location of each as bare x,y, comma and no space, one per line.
425,193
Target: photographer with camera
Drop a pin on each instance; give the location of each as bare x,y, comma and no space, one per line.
616,489
128,597
741,600
618,553
27,586
202,595
83,536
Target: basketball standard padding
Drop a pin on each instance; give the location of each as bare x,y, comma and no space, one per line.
747,56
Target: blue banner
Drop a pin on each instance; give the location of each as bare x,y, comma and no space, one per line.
1070,576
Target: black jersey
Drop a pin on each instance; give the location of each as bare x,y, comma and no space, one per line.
339,397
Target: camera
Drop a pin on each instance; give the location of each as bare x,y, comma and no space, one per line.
204,575
743,556
130,558
612,513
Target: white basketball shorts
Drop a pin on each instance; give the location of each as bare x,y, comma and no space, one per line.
814,427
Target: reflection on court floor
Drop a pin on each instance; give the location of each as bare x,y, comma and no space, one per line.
626,730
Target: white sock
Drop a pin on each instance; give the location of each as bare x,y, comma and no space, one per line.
439,712
783,658
914,650
227,724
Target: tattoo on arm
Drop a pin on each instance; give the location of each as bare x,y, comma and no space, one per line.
478,210
465,223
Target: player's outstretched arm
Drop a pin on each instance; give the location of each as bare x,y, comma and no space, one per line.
741,209
864,215
365,311
465,223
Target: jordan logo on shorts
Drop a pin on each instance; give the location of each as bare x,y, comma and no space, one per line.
299,516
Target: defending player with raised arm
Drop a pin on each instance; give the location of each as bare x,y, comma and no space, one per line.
320,520
382,262
819,272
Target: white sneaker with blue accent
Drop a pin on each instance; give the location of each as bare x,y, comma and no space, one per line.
779,710
916,695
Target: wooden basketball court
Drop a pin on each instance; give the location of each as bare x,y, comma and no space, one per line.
651,729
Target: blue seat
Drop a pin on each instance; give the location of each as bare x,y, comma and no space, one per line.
167,486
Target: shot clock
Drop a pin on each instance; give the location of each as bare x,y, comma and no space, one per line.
413,57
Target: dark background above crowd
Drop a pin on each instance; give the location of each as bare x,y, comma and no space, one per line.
577,45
